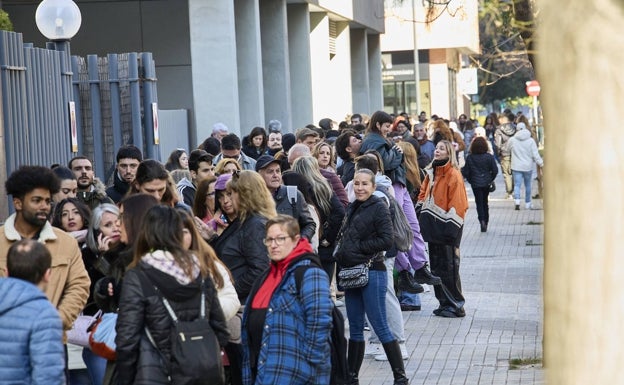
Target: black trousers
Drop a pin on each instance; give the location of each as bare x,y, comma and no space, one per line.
444,262
481,195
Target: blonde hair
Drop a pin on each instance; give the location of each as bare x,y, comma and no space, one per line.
220,167
253,195
451,151
308,167
410,160
332,155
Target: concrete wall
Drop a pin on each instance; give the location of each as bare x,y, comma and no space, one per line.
240,62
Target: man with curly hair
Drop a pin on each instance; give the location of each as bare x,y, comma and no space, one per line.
31,188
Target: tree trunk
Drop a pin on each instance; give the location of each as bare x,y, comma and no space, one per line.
579,63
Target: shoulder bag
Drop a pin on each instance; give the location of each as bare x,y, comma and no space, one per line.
353,277
79,333
102,336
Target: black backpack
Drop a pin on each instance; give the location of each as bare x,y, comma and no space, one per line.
195,351
339,366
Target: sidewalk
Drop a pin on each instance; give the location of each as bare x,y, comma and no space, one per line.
501,274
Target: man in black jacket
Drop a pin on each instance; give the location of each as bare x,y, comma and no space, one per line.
292,203
128,159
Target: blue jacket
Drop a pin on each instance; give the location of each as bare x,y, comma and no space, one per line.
391,157
296,350
31,336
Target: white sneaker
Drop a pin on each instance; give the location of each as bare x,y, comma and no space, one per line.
373,350
339,303
528,206
382,355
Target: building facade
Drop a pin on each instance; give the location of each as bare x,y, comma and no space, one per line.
425,51
240,62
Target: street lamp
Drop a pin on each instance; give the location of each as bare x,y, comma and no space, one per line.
58,20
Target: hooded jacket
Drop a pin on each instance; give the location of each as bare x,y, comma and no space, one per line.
503,133
118,190
524,152
141,306
68,288
95,196
31,336
391,157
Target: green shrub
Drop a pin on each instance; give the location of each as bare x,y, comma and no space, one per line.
5,21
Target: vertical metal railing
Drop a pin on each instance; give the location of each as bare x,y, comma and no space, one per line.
113,98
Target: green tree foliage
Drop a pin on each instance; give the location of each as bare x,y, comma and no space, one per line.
5,22
506,30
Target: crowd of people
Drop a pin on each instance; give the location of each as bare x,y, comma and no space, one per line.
228,224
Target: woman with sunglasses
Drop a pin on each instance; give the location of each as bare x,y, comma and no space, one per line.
287,324
245,204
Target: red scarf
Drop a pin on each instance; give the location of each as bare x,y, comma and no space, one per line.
276,274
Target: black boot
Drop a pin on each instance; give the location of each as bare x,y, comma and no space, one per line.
408,283
424,276
483,226
355,356
393,352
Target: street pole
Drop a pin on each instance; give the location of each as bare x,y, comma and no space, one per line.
416,60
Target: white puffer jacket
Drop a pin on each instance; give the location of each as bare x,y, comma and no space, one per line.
524,151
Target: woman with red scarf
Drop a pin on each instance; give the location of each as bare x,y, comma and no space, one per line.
286,329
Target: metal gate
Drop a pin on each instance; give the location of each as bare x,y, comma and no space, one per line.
54,107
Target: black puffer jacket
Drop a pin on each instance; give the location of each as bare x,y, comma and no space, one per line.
480,169
241,248
141,306
366,231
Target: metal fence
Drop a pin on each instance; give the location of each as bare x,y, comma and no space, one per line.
114,103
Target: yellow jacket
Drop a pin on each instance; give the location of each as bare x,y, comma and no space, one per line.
68,288
448,189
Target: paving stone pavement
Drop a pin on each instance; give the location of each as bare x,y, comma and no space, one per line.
501,273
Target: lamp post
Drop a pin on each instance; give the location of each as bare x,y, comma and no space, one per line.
59,21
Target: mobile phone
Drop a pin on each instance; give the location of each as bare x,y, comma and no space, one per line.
223,218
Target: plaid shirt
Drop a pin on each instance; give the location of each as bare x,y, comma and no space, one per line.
296,342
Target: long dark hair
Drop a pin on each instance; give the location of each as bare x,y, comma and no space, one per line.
135,206
83,211
199,204
162,230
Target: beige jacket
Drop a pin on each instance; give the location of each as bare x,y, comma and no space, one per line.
68,288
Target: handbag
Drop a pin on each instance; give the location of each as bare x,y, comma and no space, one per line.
438,225
492,186
102,336
79,333
354,277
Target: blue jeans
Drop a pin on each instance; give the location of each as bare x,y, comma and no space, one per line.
369,300
393,308
519,177
96,366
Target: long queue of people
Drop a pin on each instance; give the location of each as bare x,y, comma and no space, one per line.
227,225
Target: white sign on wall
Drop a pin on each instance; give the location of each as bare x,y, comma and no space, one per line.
467,81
